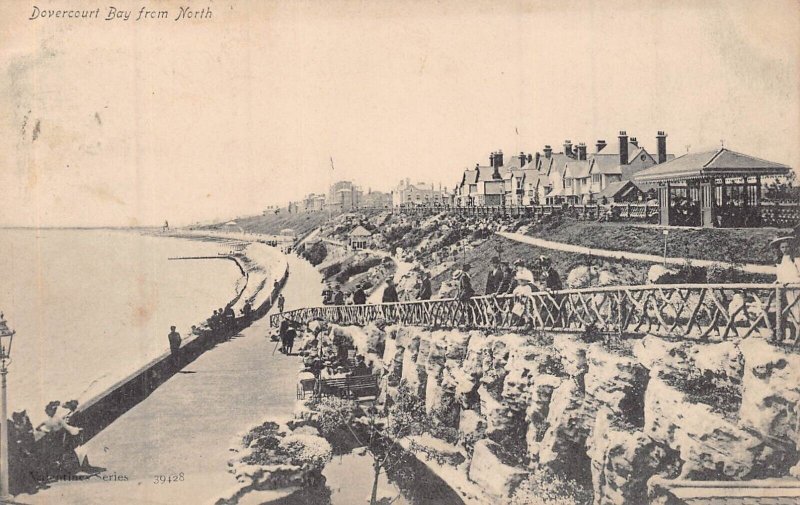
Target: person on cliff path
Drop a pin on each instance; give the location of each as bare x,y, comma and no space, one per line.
338,296
281,302
359,295
425,289
390,292
495,277
174,339
247,310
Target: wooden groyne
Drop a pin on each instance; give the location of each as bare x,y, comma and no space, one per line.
100,411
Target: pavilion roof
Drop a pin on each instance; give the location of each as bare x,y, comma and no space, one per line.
719,162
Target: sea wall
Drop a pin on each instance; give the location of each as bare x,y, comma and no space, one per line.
101,410
610,414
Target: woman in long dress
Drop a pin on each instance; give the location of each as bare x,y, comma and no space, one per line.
787,271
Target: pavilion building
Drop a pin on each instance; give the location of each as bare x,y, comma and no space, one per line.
719,188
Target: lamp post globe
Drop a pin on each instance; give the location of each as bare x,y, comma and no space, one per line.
6,338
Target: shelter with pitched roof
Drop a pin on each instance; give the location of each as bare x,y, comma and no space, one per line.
718,188
359,237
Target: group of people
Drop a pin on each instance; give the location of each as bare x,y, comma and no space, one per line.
39,454
503,280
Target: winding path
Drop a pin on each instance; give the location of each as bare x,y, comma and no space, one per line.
188,424
651,258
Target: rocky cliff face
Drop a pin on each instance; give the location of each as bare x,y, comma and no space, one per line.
612,416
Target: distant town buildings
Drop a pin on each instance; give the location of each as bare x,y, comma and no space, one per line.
377,200
343,196
406,194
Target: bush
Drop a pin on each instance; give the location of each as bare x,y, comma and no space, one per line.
315,254
331,270
544,487
357,268
307,451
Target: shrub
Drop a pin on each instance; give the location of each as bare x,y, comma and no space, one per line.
315,254
545,487
357,268
331,270
308,451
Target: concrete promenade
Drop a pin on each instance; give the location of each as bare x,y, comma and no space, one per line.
188,424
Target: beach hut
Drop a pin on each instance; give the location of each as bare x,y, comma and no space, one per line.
715,188
359,237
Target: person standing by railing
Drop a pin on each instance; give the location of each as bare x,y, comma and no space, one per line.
425,288
787,271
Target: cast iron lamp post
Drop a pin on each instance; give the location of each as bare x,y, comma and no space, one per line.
6,337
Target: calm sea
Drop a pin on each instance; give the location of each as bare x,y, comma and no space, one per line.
91,306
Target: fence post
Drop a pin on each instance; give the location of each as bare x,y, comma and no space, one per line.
778,337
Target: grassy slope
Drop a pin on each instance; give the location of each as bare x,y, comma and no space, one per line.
721,244
274,223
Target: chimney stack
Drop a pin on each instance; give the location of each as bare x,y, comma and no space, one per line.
661,142
582,151
623,147
535,160
529,157
522,159
634,141
568,148
599,145
498,158
548,151
491,159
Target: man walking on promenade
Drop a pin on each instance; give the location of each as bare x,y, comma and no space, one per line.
281,301
174,345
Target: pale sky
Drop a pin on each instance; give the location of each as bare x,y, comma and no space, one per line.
141,121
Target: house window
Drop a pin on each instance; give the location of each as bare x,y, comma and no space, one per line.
567,183
596,178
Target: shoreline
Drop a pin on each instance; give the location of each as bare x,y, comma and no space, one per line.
258,267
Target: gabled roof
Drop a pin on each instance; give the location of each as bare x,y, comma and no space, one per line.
360,231
469,177
487,173
718,162
615,188
606,166
577,169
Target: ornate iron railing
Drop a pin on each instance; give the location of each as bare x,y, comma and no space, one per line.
696,311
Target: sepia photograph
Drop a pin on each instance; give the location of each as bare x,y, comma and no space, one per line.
348,252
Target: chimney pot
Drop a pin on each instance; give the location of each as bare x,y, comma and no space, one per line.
661,147
634,141
623,148
498,158
582,151
599,145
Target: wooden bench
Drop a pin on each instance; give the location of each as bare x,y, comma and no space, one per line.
354,387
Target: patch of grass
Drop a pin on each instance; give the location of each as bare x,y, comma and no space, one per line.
731,245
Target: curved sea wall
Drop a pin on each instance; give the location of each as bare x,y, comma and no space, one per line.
608,415
262,266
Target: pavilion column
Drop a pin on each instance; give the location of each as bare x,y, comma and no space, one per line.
707,203
664,201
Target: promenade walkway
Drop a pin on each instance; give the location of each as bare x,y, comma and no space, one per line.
188,424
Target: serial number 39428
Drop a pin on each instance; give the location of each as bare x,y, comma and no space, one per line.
168,479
